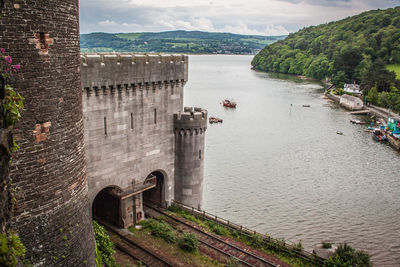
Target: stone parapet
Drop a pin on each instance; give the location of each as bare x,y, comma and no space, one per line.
192,119
125,70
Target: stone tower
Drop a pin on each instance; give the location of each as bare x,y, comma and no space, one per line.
52,211
190,127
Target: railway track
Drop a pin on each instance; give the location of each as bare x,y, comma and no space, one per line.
132,249
245,258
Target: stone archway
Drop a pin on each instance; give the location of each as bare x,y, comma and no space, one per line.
155,195
107,206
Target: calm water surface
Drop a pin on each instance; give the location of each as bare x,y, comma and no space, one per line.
284,171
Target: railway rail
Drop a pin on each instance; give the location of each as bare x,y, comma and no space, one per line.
244,257
134,250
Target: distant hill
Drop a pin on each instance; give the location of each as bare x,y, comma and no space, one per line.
191,42
344,50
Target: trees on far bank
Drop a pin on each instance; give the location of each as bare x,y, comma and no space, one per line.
355,49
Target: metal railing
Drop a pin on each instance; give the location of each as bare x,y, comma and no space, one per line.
285,245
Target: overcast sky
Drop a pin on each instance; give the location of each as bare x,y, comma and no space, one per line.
265,17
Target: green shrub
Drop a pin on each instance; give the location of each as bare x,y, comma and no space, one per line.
299,246
11,249
234,233
160,229
345,256
326,245
217,229
275,244
256,241
190,217
186,215
189,242
174,208
340,91
104,246
99,262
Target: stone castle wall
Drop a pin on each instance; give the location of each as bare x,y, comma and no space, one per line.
128,103
52,212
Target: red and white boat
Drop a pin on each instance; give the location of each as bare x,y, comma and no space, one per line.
214,120
229,104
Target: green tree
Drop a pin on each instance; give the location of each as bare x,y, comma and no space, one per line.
339,79
347,60
373,96
363,67
346,256
377,75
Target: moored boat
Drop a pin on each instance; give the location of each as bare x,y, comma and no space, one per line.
229,104
379,136
214,120
357,122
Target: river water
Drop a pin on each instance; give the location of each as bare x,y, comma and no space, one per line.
283,170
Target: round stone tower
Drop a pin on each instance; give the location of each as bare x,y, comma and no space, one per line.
52,214
190,127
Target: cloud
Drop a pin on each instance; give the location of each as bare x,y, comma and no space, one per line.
266,17
242,28
321,2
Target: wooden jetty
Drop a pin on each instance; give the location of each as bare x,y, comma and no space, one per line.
360,112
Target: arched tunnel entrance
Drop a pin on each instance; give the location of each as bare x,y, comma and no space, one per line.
124,207
106,206
155,195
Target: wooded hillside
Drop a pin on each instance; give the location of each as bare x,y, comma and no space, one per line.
344,50
190,42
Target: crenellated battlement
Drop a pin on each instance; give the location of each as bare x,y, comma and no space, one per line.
192,119
123,70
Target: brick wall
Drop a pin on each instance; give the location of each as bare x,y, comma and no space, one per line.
52,212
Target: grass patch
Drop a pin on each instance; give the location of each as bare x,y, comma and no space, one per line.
395,68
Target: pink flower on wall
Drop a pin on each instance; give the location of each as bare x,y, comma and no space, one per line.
16,68
8,59
2,50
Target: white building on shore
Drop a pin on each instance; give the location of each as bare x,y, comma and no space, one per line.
351,102
352,88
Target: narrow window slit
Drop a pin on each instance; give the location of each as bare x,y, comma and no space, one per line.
105,126
200,154
155,116
42,41
131,120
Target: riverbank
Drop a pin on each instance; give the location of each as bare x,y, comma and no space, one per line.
379,114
